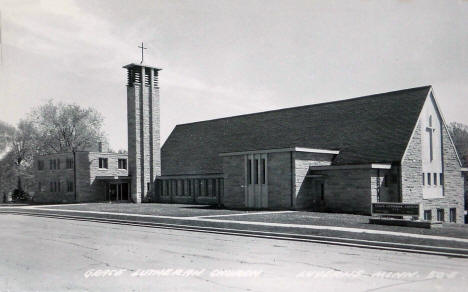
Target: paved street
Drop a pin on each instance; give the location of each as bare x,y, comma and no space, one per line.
44,254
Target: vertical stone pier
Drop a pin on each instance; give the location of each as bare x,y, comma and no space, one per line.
143,118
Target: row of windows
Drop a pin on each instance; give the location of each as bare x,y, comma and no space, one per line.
432,179
441,215
55,163
259,171
56,186
191,187
121,163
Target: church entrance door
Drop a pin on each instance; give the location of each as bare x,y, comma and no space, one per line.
117,191
256,180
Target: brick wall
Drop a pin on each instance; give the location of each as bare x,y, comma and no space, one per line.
347,190
47,175
280,180
88,189
234,181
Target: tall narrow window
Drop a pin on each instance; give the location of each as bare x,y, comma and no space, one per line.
166,188
40,165
263,171
427,215
102,162
69,186
122,163
430,131
69,163
440,215
428,178
453,215
322,191
435,178
182,187
256,172
249,171
441,179
424,179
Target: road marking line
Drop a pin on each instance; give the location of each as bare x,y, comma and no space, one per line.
313,227
243,214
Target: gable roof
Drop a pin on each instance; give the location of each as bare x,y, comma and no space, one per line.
367,129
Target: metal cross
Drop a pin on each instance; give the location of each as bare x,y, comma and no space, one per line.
142,48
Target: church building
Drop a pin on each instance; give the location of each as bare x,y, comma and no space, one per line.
337,156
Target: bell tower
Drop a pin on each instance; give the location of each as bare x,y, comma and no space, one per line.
143,119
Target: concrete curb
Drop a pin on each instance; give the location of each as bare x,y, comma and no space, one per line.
342,241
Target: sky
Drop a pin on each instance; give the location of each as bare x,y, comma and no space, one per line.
223,58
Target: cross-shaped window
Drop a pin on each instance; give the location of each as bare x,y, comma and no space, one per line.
430,131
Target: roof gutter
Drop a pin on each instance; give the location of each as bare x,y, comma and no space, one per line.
353,166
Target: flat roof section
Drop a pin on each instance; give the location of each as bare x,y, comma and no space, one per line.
293,149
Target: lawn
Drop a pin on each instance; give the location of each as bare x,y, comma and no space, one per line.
297,217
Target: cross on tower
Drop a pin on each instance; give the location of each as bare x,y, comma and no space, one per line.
142,49
430,130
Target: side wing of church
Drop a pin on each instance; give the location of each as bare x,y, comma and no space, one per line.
334,157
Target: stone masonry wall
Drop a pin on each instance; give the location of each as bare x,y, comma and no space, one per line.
143,114
387,191
133,121
411,172
95,189
303,188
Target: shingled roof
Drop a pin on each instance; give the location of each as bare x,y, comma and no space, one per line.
367,129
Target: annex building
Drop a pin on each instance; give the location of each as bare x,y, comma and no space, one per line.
333,157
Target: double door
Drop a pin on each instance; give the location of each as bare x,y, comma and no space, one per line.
117,192
256,181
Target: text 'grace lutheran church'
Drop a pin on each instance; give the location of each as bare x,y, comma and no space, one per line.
334,157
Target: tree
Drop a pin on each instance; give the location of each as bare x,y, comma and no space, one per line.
6,131
17,156
67,127
459,133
